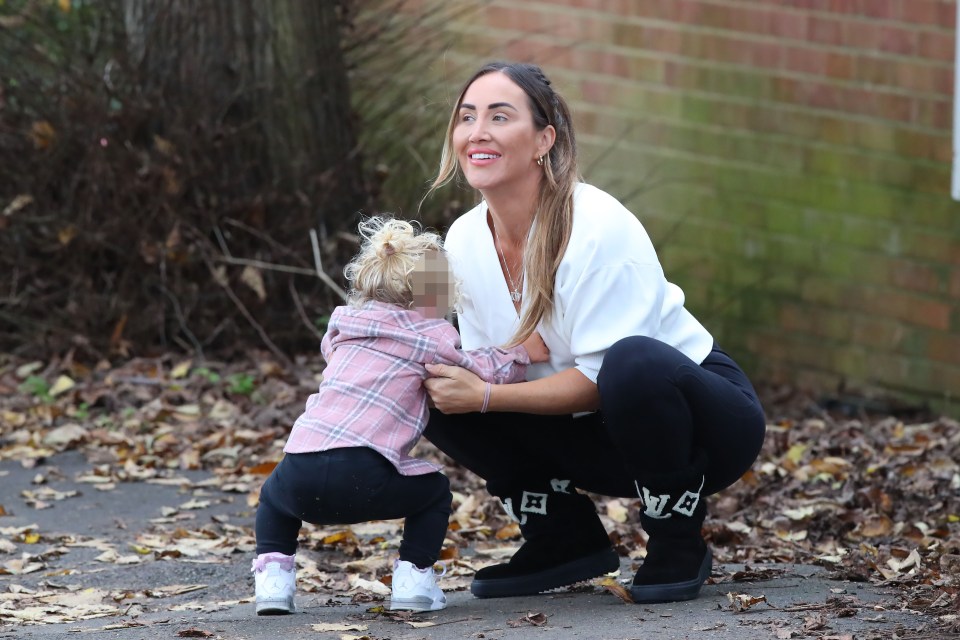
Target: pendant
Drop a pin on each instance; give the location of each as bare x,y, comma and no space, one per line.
515,296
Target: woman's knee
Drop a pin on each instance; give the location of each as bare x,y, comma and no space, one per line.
641,362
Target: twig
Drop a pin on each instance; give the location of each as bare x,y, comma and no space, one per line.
269,266
256,326
185,345
467,619
228,256
256,233
182,321
805,607
315,243
246,314
303,313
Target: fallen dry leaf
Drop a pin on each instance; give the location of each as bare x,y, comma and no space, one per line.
420,624
531,619
740,602
342,537
65,436
181,370
616,510
174,590
373,586
20,566
61,385
617,589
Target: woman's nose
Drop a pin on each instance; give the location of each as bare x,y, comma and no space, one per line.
479,133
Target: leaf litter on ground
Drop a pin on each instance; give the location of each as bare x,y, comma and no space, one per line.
873,498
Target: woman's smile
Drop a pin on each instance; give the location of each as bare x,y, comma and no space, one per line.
482,157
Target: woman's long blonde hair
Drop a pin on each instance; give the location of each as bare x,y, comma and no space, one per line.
390,252
553,218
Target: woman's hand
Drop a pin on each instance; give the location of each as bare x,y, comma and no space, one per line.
454,389
536,348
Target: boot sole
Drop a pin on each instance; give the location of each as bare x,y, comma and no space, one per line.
674,591
592,566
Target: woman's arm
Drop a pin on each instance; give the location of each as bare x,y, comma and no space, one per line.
456,390
492,364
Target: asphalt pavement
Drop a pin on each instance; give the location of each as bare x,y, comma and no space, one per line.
212,598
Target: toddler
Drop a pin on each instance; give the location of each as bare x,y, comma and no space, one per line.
347,458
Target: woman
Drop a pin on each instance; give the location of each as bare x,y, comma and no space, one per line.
636,399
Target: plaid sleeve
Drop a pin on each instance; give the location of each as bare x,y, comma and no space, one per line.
492,364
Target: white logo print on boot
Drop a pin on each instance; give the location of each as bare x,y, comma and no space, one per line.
529,503
653,505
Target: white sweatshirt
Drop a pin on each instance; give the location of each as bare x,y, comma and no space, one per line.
610,285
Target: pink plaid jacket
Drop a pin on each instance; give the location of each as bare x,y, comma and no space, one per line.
372,393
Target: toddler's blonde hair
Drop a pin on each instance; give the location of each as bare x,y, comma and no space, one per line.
390,251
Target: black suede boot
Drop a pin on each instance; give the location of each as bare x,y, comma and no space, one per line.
678,560
565,542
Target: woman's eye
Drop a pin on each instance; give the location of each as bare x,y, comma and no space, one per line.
467,117
499,118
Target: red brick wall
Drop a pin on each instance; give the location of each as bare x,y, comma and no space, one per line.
791,158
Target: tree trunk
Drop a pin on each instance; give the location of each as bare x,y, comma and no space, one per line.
269,75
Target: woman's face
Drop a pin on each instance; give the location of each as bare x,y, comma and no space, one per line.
496,141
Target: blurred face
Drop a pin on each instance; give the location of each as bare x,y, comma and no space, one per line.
432,285
495,138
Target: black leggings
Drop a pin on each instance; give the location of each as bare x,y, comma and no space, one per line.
350,485
658,410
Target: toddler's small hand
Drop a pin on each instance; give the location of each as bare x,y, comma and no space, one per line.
536,348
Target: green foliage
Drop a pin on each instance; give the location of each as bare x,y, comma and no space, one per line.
322,321
46,35
241,384
37,387
203,372
81,411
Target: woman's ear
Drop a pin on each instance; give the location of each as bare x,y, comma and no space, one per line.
545,139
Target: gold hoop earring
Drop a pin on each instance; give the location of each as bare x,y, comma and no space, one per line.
540,161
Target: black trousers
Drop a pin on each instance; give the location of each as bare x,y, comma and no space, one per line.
658,409
347,486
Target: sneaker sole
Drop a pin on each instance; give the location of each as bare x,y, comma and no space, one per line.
674,591
276,607
416,604
586,568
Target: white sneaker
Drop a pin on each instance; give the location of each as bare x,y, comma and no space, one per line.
276,579
415,589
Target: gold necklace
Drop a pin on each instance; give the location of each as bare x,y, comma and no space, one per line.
516,293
